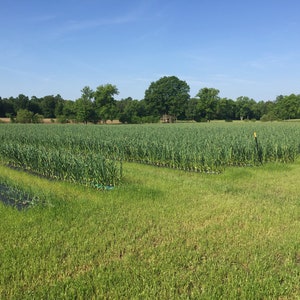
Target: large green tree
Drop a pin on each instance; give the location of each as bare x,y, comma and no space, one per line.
208,100
168,95
225,109
131,111
48,104
69,110
21,102
245,108
84,105
6,108
192,110
288,107
105,102
34,105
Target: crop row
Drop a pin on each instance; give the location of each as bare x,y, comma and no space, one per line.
88,169
90,154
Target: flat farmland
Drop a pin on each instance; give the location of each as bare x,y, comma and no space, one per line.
197,211
208,148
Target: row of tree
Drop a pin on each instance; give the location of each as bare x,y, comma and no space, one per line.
166,96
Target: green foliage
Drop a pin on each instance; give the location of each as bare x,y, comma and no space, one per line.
84,106
245,108
228,120
225,109
24,116
207,104
73,152
37,118
134,112
288,107
69,110
62,119
11,117
52,156
168,95
20,102
105,103
268,117
48,105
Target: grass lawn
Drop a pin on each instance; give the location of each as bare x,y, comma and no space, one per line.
163,234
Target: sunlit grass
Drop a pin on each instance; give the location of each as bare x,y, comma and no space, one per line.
161,234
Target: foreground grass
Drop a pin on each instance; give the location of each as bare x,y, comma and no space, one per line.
163,234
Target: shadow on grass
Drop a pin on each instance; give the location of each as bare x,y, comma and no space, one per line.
16,198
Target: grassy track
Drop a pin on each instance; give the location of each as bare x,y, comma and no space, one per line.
163,234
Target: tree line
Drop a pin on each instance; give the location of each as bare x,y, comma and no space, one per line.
167,96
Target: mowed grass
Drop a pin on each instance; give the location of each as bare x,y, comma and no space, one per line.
162,234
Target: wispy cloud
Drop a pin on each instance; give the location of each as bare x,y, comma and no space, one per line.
270,61
89,24
16,72
43,18
135,14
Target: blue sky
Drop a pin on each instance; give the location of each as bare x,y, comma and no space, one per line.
241,47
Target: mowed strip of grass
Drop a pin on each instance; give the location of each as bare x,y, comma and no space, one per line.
162,234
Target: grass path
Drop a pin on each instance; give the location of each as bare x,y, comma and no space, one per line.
163,234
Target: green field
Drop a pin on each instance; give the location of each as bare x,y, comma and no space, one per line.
230,229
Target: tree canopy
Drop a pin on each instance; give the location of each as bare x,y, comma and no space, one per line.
105,103
207,105
84,105
168,95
